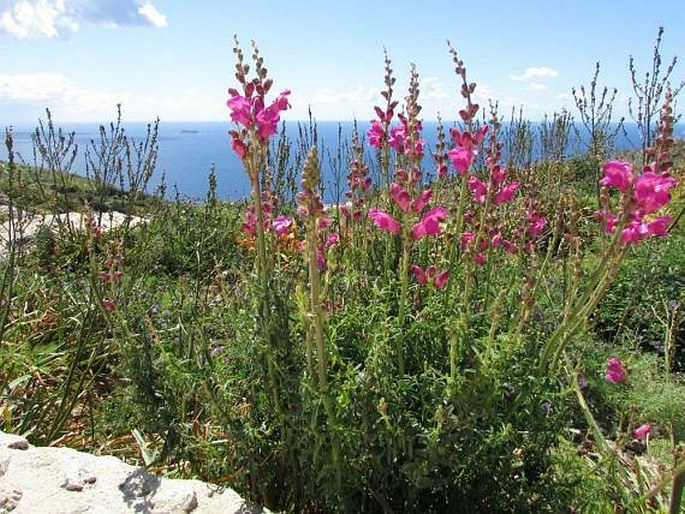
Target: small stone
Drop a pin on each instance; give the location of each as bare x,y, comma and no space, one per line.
72,485
175,502
9,498
19,444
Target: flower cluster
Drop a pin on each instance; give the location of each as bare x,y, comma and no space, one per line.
616,371
250,111
431,274
465,148
643,196
358,181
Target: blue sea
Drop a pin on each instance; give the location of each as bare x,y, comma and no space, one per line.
188,150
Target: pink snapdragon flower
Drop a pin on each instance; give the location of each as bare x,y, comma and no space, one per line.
616,371
241,109
332,239
376,134
643,431
536,224
461,159
400,196
506,193
441,279
618,174
651,191
418,273
478,188
429,224
281,225
384,221
397,137
421,200
431,274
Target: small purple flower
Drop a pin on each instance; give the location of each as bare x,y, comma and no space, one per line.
616,371
582,381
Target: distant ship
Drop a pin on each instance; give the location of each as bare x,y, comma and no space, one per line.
189,131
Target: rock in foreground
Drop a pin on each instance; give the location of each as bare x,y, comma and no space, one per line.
61,480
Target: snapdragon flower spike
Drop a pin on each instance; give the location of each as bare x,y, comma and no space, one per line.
420,202
536,223
465,150
281,225
400,196
651,190
429,224
617,174
376,134
506,194
478,188
384,221
250,112
616,371
648,192
642,431
439,280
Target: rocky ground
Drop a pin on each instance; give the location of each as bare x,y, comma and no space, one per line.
25,226
64,481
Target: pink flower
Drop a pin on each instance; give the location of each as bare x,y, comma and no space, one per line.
239,147
497,240
397,137
610,220
384,221
510,247
536,224
480,259
430,224
497,175
240,109
376,134
478,188
418,272
250,224
422,200
651,191
616,371
659,225
400,196
635,231
506,193
643,431
618,174
109,304
281,224
323,222
466,239
461,159
332,239
441,279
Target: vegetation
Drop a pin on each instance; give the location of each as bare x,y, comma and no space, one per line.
494,339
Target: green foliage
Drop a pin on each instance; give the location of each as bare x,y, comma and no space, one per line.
648,291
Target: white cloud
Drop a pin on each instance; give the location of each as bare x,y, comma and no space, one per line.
432,89
43,18
58,92
35,87
535,72
150,13
24,19
536,86
359,94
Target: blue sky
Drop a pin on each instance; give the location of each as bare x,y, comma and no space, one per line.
173,58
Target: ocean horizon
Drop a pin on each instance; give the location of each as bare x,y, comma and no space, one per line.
188,150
